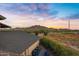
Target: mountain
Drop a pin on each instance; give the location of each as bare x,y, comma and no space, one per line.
37,27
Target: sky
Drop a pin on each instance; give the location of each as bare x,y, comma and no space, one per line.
55,15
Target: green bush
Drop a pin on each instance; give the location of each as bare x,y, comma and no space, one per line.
59,49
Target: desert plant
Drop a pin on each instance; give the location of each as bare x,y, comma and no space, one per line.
58,49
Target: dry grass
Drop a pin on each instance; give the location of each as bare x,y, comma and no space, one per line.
67,39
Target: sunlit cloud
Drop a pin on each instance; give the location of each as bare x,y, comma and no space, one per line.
49,15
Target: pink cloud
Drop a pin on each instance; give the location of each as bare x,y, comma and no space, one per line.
15,20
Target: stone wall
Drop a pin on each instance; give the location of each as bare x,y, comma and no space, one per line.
28,52
7,53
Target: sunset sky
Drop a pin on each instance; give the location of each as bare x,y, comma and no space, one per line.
55,15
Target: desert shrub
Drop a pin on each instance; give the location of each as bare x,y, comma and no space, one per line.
58,49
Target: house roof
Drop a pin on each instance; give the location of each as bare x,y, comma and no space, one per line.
4,26
16,41
2,17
